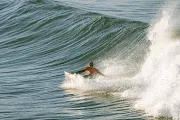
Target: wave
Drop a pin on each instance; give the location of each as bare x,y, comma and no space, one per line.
37,35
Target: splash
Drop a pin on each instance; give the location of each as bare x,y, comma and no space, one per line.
160,74
101,83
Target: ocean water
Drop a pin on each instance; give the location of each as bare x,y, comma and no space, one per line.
135,43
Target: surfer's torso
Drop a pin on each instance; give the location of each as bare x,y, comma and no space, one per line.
91,70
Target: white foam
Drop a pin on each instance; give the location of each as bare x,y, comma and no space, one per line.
161,72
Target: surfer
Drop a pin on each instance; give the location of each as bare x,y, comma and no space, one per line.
91,70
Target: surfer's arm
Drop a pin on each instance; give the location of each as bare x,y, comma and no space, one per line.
101,73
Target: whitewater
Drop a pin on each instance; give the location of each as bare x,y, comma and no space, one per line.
161,70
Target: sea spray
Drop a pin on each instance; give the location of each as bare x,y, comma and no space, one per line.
160,73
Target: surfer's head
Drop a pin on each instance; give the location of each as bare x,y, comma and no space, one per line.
91,64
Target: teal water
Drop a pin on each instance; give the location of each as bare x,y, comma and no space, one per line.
40,39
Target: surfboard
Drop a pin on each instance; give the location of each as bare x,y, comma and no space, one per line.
67,73
74,77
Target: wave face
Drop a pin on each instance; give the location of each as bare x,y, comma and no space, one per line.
40,39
